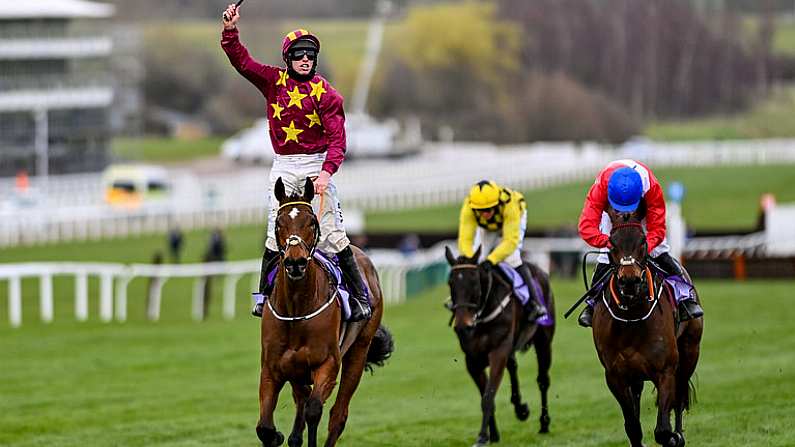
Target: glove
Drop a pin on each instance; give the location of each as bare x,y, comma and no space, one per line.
487,265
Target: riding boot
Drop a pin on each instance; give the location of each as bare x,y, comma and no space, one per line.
359,302
533,309
269,258
688,308
586,316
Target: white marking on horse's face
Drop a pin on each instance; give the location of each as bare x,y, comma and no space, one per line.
294,212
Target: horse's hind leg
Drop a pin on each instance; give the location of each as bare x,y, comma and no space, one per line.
543,345
689,346
623,393
324,378
300,395
352,368
268,396
520,408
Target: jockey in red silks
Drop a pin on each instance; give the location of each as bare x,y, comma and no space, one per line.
307,131
626,185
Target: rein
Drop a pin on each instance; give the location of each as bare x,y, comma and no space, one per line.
653,298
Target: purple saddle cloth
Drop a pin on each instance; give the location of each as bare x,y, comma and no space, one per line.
331,265
522,292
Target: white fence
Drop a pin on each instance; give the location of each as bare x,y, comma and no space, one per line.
70,207
114,280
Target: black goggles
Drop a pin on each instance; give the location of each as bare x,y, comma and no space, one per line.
298,55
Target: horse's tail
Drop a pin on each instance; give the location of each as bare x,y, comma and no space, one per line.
381,348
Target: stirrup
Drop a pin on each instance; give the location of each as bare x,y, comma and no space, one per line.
689,309
359,311
586,317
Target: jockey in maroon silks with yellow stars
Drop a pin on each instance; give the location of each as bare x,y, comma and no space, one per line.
307,130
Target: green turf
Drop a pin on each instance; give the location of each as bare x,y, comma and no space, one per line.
716,198
179,383
770,118
165,150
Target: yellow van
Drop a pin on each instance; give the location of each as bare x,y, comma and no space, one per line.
129,186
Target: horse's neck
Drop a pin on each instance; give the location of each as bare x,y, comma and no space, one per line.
499,288
301,296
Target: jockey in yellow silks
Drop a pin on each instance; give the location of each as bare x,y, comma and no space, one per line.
495,218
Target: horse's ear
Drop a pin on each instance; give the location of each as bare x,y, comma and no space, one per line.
449,255
476,256
278,190
309,190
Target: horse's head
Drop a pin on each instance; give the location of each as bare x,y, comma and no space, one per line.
469,285
628,252
297,228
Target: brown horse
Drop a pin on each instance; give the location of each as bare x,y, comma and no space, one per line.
637,338
491,326
302,338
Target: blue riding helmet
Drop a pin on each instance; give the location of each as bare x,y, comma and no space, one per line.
625,189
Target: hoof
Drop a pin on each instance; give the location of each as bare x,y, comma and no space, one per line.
544,420
494,438
669,439
481,442
522,412
295,441
270,437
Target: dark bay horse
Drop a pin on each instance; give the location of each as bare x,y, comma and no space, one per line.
302,340
637,337
491,327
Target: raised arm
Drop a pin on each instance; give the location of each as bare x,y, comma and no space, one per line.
261,75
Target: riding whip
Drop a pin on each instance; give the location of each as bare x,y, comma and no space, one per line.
237,5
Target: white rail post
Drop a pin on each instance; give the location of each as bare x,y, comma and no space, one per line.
198,297
121,297
153,311
45,298
230,289
106,297
81,297
15,301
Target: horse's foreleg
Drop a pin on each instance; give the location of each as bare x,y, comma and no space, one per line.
520,408
477,370
543,345
666,394
352,368
269,389
623,393
324,379
497,362
300,395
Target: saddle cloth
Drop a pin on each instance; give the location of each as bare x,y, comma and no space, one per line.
522,292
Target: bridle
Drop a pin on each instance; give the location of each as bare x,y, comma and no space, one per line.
294,239
480,308
646,278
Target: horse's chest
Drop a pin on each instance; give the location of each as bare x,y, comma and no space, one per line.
302,360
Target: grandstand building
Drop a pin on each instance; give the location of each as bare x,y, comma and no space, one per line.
56,87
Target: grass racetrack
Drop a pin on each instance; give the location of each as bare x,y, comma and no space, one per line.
180,383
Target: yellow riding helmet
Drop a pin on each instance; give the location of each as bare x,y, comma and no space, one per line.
484,194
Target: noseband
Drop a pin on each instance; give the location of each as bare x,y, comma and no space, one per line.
293,239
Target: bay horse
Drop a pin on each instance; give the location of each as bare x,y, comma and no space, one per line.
637,337
302,338
491,327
